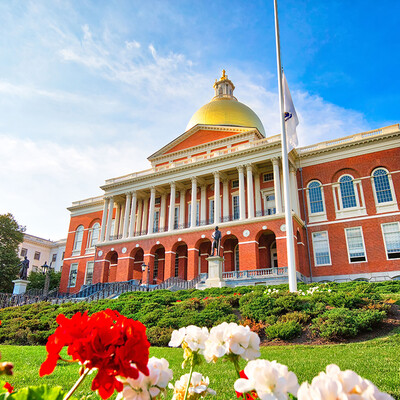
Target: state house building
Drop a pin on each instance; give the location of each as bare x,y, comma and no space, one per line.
223,171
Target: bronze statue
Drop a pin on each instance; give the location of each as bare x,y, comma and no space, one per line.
23,272
216,236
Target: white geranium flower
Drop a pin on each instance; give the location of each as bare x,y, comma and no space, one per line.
337,384
226,339
193,336
198,387
148,387
269,379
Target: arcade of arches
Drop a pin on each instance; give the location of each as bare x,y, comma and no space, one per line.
186,262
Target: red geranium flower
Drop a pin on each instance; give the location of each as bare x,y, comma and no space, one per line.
107,341
247,396
8,387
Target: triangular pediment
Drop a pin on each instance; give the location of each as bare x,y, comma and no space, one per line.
202,135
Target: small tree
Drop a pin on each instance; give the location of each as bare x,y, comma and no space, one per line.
36,280
11,235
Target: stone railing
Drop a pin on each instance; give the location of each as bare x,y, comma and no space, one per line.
255,273
348,139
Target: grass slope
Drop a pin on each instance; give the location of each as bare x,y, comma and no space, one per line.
376,360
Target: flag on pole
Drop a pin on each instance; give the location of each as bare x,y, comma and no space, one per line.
291,120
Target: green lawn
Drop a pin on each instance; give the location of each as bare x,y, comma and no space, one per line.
377,360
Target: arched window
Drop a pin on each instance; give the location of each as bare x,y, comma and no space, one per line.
78,239
315,197
347,192
94,235
236,255
382,187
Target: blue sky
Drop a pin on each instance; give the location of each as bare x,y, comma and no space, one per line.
89,89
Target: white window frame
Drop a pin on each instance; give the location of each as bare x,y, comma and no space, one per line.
76,250
236,258
329,250
264,194
363,242
211,210
388,206
156,221
197,213
317,216
176,217
349,212
265,177
90,246
73,265
86,272
384,240
233,207
235,186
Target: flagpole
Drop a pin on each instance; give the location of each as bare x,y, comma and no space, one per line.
291,260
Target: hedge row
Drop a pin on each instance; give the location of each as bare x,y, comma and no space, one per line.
332,311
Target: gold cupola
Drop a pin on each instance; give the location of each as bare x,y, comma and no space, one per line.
225,109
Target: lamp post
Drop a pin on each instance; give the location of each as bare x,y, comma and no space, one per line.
144,266
46,271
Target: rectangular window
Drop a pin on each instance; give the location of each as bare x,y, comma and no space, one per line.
24,252
54,258
211,211
321,248
268,177
63,255
89,273
391,236
235,207
355,244
235,184
73,272
270,208
155,269
157,201
37,255
176,265
156,221
176,217
197,213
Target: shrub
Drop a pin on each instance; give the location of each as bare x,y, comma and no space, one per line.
283,330
289,302
159,336
297,316
256,307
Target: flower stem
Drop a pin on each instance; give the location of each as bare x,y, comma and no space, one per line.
77,383
190,379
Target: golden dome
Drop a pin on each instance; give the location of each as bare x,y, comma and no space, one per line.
224,109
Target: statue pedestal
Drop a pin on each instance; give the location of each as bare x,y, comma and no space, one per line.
215,272
20,286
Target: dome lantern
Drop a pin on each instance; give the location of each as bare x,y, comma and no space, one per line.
224,87
225,110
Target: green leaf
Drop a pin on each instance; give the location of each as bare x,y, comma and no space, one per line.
42,392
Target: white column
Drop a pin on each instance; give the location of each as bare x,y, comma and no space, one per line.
171,214
217,199
242,198
225,199
151,210
257,192
104,219
144,214
116,222
109,218
182,207
133,215
163,206
139,217
294,190
121,220
127,213
203,205
250,192
277,185
194,202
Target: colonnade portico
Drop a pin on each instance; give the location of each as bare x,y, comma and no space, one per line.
135,213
